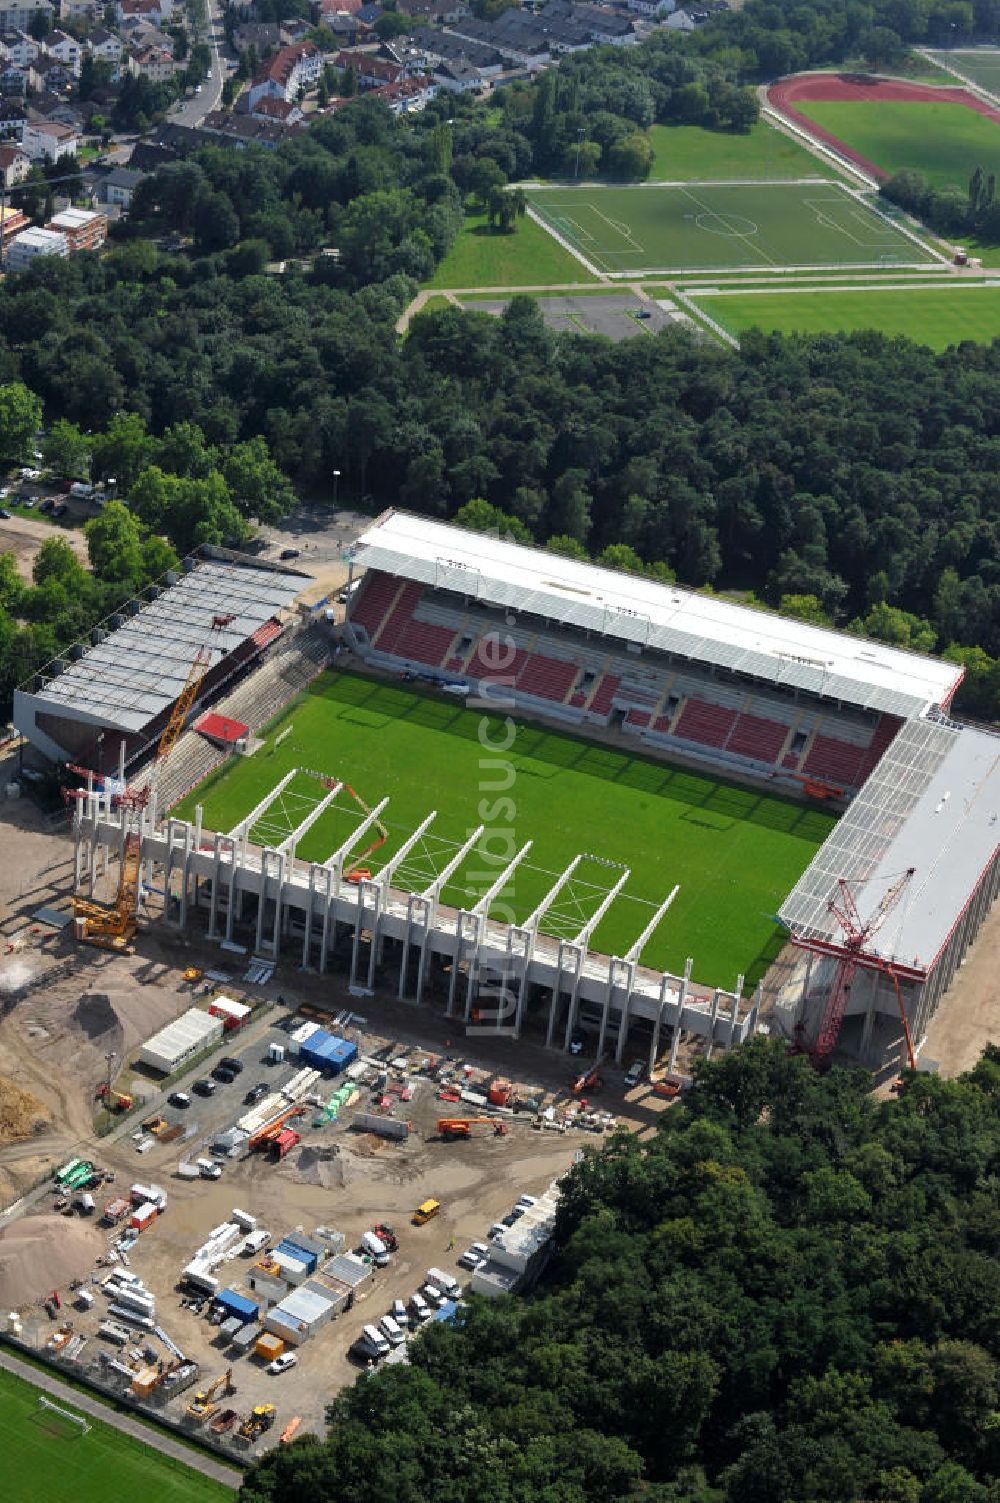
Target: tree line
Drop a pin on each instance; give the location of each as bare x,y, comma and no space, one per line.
789,1292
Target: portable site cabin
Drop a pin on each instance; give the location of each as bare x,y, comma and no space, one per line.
233,1014
181,1040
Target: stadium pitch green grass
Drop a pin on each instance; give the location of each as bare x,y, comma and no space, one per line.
734,851
946,142
717,226
936,316
682,153
48,1459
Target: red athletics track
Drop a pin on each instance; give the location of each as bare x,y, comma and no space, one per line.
849,87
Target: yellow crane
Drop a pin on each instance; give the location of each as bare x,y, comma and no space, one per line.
112,926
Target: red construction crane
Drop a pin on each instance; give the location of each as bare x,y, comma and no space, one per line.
852,953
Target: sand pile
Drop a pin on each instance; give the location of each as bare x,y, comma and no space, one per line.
15,977
324,1167
21,1114
42,1253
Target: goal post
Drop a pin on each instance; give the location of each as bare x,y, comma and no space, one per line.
78,1425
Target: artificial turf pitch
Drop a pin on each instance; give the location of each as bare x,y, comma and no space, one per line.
722,226
735,852
49,1460
981,64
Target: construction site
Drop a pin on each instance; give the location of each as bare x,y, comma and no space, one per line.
256,1127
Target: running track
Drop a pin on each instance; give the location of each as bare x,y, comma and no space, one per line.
850,87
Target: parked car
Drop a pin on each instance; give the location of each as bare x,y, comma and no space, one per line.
30,502
287,553
60,509
47,504
4,513
222,1075
475,1256
204,1087
256,1093
283,1363
421,1309
232,1064
515,1215
432,1295
179,1099
392,1332
398,1313
634,1074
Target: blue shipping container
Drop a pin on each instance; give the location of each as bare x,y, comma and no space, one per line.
237,1304
302,1254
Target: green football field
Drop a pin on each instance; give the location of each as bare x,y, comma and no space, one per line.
937,316
683,153
946,142
734,852
715,227
50,1461
980,64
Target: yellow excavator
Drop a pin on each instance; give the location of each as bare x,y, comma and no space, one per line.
259,1419
206,1402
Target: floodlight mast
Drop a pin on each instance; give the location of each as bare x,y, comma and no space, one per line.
852,954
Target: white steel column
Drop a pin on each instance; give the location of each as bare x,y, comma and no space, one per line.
246,825
336,861
288,846
635,952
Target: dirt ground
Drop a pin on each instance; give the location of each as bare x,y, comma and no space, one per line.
969,1017
23,537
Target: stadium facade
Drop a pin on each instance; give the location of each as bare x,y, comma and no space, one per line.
682,675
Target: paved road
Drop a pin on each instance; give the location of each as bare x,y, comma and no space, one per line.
149,1435
193,111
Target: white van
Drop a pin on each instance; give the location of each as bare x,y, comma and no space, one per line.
391,1331
444,1281
421,1309
256,1242
374,1338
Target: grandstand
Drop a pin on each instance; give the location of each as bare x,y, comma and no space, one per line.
684,674
105,702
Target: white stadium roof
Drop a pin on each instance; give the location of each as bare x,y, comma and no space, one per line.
135,670
933,804
668,618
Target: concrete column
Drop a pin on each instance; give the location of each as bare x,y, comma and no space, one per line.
374,891
576,954
674,1044
324,943
307,925
654,1047
716,999
527,939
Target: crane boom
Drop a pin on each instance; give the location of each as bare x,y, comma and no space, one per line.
857,935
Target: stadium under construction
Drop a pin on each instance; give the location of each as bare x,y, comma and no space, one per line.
879,921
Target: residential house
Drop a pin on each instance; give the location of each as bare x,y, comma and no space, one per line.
220,128
459,77
679,20
19,48
294,30
451,48
12,222
347,29
13,80
156,64
650,8
65,49
158,11
32,242
49,76
16,15
433,10
408,95
85,229
14,165
119,186
287,73
282,111
372,72
13,117
264,35
147,156
49,106
370,13
329,8
104,46
80,10
47,138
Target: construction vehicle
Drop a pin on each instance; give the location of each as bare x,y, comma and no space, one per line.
112,926
259,1420
462,1127
155,1126
264,1136
205,1402
192,974
387,1235
115,1101
590,1080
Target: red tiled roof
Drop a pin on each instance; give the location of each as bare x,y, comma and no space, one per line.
221,728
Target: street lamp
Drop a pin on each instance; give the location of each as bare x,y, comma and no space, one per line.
336,483
579,143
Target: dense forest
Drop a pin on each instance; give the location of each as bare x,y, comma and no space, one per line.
789,1295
